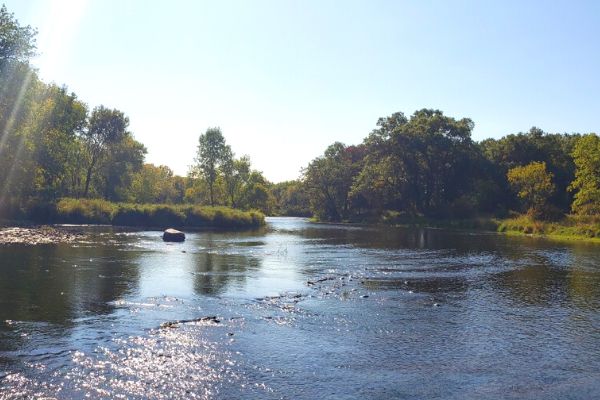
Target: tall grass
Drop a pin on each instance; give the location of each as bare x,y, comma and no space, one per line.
568,227
573,226
94,211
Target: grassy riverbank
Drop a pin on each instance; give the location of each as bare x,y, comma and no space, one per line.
571,227
94,211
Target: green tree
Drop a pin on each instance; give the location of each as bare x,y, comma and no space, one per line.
62,119
535,145
236,174
533,184
117,168
423,164
17,43
291,199
106,127
586,155
255,193
156,184
329,178
212,151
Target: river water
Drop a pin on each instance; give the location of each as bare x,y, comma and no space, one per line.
300,311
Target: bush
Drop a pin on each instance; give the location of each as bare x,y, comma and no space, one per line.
83,211
570,226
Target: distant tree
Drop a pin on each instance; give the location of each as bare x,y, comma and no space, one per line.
535,145
422,164
212,152
533,184
56,148
255,193
156,184
586,155
328,180
291,199
236,173
105,127
117,169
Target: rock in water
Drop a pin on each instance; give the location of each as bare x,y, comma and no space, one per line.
173,235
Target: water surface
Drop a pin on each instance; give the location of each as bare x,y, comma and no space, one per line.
304,311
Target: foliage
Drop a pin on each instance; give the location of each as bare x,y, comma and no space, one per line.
17,43
84,211
424,164
212,153
110,148
156,184
586,155
572,226
533,184
535,145
220,178
290,198
328,180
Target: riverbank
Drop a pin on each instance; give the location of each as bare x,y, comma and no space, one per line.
95,211
571,227
39,235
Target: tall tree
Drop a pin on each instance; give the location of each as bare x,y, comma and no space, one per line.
535,145
329,178
106,127
533,184
212,151
423,164
17,43
123,160
62,119
586,155
156,184
236,173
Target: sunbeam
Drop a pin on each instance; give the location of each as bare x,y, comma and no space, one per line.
9,128
58,28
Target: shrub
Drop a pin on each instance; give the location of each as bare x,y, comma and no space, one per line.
90,211
84,211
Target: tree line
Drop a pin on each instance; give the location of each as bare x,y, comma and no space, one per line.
429,165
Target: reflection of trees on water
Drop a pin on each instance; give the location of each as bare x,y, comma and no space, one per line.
547,282
537,284
216,268
584,277
57,283
584,288
402,237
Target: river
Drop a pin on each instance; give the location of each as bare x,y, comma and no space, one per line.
299,310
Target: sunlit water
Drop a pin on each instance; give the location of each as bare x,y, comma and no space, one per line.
305,311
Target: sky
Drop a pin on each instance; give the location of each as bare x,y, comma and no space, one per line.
284,79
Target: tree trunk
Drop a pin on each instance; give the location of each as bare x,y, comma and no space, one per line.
210,189
88,178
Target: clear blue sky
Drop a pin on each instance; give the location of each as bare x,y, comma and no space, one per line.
284,79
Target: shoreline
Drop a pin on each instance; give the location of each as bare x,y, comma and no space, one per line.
39,235
565,230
